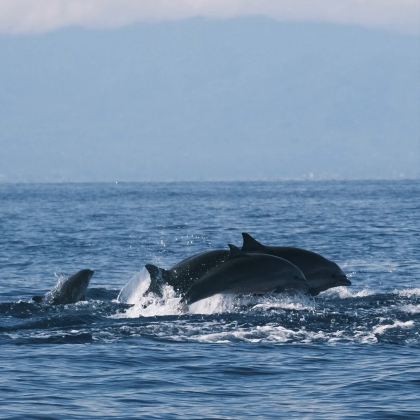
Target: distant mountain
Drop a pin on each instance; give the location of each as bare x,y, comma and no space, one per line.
201,99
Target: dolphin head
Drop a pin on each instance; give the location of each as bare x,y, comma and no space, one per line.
301,282
84,276
340,278
77,284
326,278
72,289
85,272
80,279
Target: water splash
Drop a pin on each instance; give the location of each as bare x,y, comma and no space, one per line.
409,292
134,293
343,292
135,289
52,294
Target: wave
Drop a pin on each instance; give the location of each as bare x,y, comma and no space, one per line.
339,315
411,309
345,293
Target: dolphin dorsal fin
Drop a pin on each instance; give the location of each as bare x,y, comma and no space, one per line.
251,244
153,270
235,252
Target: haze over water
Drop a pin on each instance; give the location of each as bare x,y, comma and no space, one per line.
207,99
348,352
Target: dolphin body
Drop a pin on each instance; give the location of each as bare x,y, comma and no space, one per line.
185,273
71,290
248,273
321,274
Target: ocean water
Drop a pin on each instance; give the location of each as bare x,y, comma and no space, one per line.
348,353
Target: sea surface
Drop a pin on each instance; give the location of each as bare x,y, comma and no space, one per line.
348,353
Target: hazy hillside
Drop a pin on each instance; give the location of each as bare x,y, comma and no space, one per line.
249,98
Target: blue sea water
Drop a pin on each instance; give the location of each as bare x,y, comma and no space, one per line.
348,353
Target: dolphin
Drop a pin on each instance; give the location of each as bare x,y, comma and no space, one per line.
321,274
183,274
70,290
245,273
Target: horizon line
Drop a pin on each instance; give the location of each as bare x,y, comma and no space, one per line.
215,181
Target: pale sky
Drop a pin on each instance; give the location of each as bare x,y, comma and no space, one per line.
44,15
99,90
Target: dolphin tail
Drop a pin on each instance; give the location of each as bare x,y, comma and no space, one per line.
251,244
158,277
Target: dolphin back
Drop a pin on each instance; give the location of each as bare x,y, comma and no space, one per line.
185,273
244,273
320,272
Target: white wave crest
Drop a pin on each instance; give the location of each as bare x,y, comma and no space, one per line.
343,292
381,329
409,292
266,333
223,333
411,309
297,302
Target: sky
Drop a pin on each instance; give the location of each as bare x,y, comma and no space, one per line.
101,90
44,15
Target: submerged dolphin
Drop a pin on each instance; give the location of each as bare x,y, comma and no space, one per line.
321,274
185,273
245,273
70,290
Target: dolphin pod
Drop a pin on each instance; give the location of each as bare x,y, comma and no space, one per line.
71,290
255,269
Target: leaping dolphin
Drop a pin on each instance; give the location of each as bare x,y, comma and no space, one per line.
248,273
70,290
185,273
321,273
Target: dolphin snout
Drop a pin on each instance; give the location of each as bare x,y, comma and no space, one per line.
344,281
85,274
